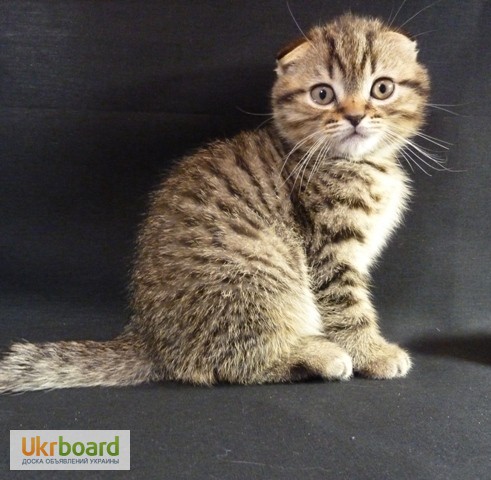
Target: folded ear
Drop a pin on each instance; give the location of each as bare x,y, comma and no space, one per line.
288,55
403,43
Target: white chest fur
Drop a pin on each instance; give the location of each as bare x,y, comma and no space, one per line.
392,191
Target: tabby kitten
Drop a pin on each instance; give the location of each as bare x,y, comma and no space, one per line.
253,263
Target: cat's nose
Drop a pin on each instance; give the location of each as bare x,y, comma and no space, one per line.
354,119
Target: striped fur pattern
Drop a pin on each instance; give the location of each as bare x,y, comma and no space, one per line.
253,263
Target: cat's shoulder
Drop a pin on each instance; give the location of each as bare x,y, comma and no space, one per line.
246,145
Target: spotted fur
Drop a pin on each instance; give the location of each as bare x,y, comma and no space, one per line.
253,263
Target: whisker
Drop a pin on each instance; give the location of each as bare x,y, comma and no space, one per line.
253,113
420,11
424,152
309,157
404,156
407,161
389,143
426,136
397,13
269,115
389,22
420,167
296,147
298,168
430,157
423,33
437,107
452,104
430,139
411,159
264,123
417,154
298,25
322,152
441,168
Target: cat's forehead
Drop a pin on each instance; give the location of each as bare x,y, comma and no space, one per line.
358,38
352,47
348,31
348,46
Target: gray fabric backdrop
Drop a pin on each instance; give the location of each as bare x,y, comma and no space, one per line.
98,98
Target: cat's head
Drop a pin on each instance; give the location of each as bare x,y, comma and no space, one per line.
353,86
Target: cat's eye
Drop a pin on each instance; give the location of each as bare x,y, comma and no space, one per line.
382,88
322,94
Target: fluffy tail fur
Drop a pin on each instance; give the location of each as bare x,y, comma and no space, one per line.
117,362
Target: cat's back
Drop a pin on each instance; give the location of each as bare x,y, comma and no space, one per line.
229,176
224,206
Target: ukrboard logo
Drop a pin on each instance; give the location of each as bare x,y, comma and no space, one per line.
69,450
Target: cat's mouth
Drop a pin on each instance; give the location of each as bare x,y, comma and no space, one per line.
356,135
357,132
357,141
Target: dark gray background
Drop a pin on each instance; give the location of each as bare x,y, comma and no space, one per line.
98,98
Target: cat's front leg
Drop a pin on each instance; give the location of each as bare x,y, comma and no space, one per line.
350,320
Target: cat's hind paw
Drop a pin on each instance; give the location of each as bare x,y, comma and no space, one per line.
340,367
325,359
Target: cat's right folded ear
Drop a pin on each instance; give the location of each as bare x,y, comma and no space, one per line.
287,56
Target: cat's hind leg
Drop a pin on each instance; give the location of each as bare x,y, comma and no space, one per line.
313,356
285,344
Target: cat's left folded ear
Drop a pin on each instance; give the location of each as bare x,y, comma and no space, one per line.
287,56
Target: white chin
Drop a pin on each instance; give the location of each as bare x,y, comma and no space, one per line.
356,146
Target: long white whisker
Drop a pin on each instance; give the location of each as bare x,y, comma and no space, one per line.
297,146
437,107
269,115
264,123
387,142
441,167
441,163
298,168
407,161
432,140
312,152
401,152
389,21
407,156
420,11
404,156
437,141
397,13
253,113
322,152
408,141
415,150
426,136
451,104
423,152
298,26
423,33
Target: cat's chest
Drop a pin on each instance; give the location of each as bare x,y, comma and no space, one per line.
353,210
391,196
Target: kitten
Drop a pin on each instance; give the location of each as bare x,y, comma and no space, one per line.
253,262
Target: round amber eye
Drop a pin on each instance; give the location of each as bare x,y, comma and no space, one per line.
382,88
322,94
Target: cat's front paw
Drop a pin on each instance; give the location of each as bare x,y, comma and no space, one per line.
384,361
